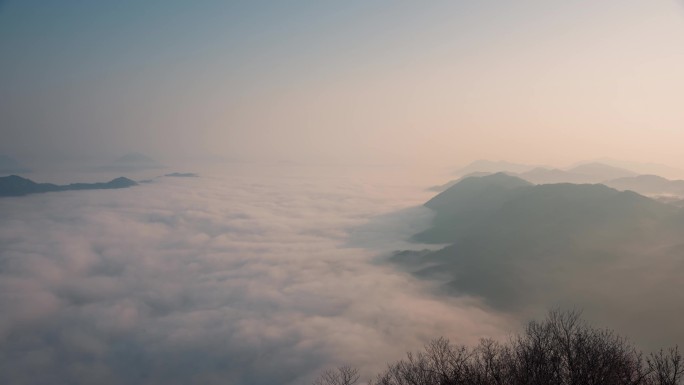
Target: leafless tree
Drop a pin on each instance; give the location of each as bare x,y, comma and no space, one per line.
561,350
667,368
343,375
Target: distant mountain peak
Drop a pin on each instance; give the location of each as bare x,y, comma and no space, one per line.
122,181
498,178
645,168
652,185
481,188
648,178
596,168
593,172
499,240
473,203
15,178
15,185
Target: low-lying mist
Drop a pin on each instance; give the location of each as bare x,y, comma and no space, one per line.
269,274
524,248
227,278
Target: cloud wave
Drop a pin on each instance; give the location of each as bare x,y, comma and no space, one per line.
240,280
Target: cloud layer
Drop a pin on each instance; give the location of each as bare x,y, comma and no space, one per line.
230,280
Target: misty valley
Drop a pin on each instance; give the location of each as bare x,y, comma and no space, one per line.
341,192
318,268
520,246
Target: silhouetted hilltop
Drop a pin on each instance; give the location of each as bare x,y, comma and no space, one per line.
542,175
15,185
443,187
9,165
642,168
468,204
601,172
585,173
501,201
508,238
473,191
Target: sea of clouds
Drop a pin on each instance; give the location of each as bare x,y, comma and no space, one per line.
230,278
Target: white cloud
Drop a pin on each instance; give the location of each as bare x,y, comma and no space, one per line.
240,280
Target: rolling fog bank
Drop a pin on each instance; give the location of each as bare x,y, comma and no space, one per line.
239,276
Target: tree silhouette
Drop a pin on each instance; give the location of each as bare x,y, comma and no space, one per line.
560,350
343,375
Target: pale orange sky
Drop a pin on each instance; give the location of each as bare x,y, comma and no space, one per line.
441,83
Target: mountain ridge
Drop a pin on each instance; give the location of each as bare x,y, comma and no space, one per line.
15,185
507,238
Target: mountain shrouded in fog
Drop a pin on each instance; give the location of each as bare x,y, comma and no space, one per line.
14,185
586,173
521,246
648,185
282,151
500,201
594,172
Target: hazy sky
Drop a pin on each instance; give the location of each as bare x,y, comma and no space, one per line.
352,81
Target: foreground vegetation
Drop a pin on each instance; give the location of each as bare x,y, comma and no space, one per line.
561,350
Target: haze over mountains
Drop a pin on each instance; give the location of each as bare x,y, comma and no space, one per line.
593,172
649,185
522,246
283,150
14,185
490,166
603,168
585,173
610,175
644,168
